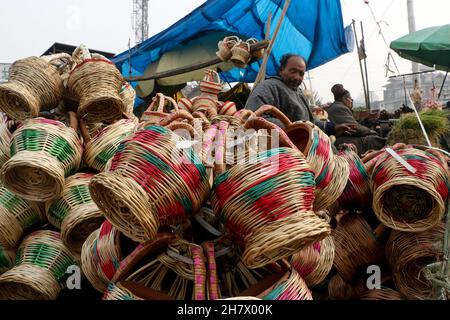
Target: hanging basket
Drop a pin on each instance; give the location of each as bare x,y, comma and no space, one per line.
7,257
34,85
102,253
225,47
103,145
267,205
97,83
331,172
357,193
40,269
257,54
405,200
160,107
382,294
211,84
314,262
74,212
356,247
164,269
240,54
152,183
17,217
43,153
409,254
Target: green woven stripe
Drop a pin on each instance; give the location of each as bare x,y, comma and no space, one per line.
61,149
4,261
161,130
10,201
29,140
314,144
193,158
362,170
221,178
103,157
161,165
186,203
322,175
265,187
80,194
16,205
43,256
275,293
58,210
12,149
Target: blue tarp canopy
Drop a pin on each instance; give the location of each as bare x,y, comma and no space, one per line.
311,28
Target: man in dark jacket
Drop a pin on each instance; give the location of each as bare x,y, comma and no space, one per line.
283,91
340,111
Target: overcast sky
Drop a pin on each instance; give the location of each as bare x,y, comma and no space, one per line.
29,27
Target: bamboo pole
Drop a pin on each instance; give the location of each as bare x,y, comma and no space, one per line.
262,73
259,45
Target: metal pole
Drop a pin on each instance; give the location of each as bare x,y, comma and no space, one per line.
365,68
360,64
443,82
412,28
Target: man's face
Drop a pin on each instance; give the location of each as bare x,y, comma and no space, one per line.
292,75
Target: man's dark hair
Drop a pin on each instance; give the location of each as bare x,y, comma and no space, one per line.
285,58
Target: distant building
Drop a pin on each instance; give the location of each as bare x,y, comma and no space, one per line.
4,71
394,91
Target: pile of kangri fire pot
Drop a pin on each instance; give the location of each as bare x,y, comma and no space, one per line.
197,200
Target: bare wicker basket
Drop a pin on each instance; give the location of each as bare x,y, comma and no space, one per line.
43,153
34,84
97,83
355,246
409,254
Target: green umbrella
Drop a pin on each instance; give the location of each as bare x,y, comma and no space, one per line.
430,46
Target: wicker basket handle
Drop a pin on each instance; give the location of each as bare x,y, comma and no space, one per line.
176,116
244,114
258,123
274,111
183,126
144,292
159,102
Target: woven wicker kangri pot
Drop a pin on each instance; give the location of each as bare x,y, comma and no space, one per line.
331,171
103,145
97,84
74,212
382,294
40,269
405,200
102,253
17,217
356,247
409,254
43,153
266,205
160,107
151,183
34,84
314,262
165,269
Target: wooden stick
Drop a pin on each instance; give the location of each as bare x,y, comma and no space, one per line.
267,37
256,46
262,72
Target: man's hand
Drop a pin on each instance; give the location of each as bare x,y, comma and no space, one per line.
344,128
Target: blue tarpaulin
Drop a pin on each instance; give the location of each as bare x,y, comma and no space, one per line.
311,28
